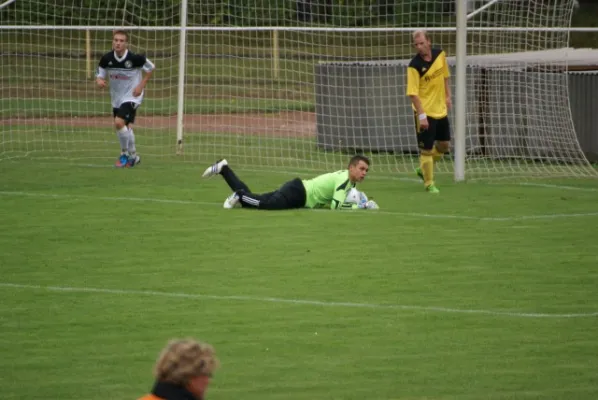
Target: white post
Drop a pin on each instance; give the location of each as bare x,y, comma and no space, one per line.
460,90
275,54
6,3
88,67
181,84
484,7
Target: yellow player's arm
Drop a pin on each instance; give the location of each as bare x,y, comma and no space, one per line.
447,86
417,103
447,91
413,89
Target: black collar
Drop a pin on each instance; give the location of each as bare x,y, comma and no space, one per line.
170,391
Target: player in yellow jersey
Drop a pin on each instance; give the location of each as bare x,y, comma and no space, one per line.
428,87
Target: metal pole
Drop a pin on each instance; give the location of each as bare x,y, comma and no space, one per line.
275,54
460,92
88,67
181,83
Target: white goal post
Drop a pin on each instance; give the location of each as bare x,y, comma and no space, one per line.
298,94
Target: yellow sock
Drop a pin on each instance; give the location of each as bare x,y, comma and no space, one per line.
426,163
436,154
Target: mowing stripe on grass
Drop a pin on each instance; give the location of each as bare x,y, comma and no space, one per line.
294,301
366,213
401,177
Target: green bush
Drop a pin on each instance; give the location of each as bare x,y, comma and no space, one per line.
340,13
344,13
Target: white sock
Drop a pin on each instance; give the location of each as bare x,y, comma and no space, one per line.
123,138
132,149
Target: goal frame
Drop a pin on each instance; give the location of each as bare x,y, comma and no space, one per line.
461,30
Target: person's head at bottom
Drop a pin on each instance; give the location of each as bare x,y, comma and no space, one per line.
184,369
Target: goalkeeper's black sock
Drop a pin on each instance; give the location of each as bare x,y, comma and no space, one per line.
232,180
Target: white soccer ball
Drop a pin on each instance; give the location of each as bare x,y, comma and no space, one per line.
356,197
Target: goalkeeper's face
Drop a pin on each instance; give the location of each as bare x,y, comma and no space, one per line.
358,171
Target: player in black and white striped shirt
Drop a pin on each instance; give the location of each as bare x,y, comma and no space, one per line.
127,83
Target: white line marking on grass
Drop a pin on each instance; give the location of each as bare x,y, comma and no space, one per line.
551,186
152,293
105,198
361,213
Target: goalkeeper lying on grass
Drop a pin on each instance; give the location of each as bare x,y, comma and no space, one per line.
327,190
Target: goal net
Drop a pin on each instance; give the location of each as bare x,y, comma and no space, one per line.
288,84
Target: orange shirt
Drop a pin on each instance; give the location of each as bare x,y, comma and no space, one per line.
150,397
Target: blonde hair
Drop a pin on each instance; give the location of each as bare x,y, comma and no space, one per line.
420,32
183,359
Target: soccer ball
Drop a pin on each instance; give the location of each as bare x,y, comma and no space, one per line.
356,197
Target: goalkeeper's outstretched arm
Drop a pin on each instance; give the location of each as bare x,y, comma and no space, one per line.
338,200
355,200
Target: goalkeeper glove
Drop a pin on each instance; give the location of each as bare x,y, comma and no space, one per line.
369,205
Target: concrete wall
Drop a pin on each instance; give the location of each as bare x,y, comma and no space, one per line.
583,97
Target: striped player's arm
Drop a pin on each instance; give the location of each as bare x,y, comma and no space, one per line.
101,72
148,68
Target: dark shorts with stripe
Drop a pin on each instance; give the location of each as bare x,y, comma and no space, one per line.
289,196
439,129
126,111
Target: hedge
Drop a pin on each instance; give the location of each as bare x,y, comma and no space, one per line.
343,13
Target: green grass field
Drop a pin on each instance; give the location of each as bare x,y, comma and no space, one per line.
487,291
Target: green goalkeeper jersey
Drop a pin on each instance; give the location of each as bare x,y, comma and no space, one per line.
328,190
